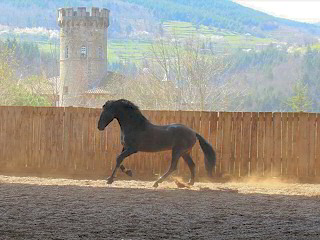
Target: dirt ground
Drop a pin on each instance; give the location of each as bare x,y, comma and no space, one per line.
43,208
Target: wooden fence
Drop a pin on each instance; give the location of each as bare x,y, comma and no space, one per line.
65,141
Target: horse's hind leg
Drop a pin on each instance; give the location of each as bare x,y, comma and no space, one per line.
126,171
187,158
175,157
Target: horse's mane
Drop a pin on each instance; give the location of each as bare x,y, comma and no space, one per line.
126,103
132,108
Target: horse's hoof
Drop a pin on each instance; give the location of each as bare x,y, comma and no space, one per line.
155,185
109,180
129,172
191,182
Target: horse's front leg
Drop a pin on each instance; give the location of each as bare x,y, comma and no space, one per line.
123,169
125,153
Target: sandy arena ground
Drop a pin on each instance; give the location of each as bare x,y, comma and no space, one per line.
44,208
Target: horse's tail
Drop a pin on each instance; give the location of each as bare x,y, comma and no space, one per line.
209,154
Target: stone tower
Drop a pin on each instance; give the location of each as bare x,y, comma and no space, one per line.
83,41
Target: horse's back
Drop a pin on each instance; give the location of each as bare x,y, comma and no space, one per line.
176,134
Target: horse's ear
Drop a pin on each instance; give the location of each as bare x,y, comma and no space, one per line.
129,107
107,104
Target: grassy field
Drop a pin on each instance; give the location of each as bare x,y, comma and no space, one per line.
134,50
128,50
187,30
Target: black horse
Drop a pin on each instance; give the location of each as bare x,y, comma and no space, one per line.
139,134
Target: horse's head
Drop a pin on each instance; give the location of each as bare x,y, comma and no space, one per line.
106,116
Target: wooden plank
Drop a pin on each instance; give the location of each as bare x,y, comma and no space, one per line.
303,150
73,143
268,144
27,136
238,140
312,144
92,125
2,138
295,144
290,164
50,146
284,146
226,142
10,137
43,138
245,144
50,149
59,137
317,150
36,138
261,144
18,150
254,143
213,135
19,139
276,159
219,144
233,145
84,113
67,138
5,144
78,129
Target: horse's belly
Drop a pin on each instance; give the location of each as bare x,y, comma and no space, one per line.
156,145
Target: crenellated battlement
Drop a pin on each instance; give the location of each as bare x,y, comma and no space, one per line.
67,15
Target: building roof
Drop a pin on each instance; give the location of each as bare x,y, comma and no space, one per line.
97,91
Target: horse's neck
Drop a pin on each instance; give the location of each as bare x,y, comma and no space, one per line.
130,122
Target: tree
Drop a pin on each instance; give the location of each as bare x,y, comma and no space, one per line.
299,101
16,91
195,74
7,63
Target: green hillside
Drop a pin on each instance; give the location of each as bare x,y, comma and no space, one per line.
220,14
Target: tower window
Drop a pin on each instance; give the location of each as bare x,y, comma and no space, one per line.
83,51
100,53
66,52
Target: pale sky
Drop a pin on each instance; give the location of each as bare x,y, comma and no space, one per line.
304,11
